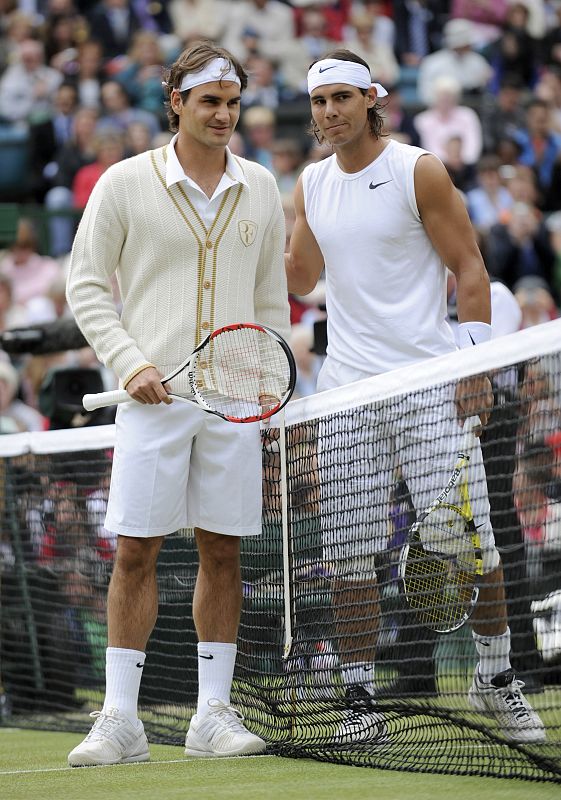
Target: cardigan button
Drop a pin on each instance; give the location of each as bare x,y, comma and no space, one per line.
207,284
208,244
205,326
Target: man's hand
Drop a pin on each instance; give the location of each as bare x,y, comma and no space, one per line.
146,388
267,402
474,397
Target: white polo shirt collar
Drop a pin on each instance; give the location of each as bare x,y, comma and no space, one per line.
233,173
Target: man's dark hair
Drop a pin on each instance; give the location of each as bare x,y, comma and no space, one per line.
375,119
193,59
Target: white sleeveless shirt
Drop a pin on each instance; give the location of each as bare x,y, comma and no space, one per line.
386,284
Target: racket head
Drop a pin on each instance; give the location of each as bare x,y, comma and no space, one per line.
237,367
440,567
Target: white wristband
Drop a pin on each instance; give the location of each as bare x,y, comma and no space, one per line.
471,333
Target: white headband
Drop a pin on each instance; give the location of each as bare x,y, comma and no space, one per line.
332,70
214,71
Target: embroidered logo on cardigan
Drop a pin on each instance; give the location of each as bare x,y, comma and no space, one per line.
248,231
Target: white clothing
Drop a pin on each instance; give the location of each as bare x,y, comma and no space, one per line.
386,285
178,279
471,70
180,467
360,452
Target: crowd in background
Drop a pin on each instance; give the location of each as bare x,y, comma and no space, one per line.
477,82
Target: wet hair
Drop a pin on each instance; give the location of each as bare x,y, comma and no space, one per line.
375,118
193,59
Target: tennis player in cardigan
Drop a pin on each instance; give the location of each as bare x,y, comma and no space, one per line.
383,219
195,238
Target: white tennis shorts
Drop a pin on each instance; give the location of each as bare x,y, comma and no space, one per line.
360,455
177,466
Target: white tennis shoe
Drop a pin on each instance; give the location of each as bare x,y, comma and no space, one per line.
362,722
114,739
503,699
220,733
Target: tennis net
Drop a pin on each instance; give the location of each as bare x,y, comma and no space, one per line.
344,479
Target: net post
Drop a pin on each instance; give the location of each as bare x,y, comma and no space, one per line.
287,587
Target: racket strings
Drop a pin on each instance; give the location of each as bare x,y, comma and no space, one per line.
240,367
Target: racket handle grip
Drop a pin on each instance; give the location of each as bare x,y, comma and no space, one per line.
103,399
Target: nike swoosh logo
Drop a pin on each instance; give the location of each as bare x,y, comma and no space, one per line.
208,658
471,337
139,665
375,185
324,69
485,644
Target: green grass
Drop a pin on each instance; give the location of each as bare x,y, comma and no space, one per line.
33,765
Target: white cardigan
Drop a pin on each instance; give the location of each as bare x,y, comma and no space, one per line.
178,281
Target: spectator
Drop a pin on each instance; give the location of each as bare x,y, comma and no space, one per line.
142,74
418,29
287,160
540,145
307,362
487,18
457,59
535,300
551,43
62,34
31,273
109,149
11,315
515,52
461,174
113,23
269,21
548,88
28,87
383,27
199,19
298,53
398,121
87,73
553,226
489,199
262,87
74,155
118,111
137,140
502,114
446,119
15,27
259,127
48,137
379,56
335,12
520,247
15,415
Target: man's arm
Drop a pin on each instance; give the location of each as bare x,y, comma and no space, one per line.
449,228
304,262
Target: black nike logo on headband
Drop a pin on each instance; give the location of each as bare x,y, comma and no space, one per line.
324,69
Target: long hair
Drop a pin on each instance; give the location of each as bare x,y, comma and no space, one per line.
375,118
193,59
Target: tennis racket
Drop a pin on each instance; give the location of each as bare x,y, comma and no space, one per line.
441,563
243,373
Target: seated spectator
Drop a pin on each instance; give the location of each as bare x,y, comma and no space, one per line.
540,145
297,54
550,46
259,124
520,248
137,140
502,114
31,273
113,23
62,34
398,121
535,300
109,149
486,16
515,52
489,200
28,87
15,27
379,56
15,415
383,30
269,21
142,74
548,88
74,155
457,59
418,28
446,119
262,87
199,19
287,160
11,315
47,138
87,74
118,111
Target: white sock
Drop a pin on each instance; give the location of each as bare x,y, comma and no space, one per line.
216,672
361,672
493,653
123,671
